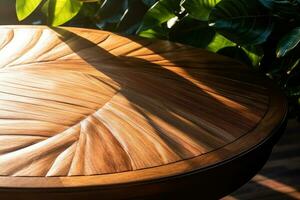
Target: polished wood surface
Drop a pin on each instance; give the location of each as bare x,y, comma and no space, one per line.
83,107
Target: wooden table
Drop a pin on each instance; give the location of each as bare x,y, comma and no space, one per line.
87,114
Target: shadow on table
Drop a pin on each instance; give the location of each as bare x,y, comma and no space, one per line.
171,90
163,88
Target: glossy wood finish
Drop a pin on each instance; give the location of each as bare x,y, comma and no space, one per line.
82,108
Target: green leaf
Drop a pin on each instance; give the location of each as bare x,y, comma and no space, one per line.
192,32
219,42
284,8
159,13
255,54
61,11
149,2
200,9
89,1
236,53
245,22
86,16
273,4
45,8
294,66
160,32
112,11
132,17
288,42
25,7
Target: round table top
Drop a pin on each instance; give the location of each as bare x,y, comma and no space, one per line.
82,107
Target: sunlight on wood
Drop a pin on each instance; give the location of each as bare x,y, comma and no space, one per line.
106,109
229,198
277,186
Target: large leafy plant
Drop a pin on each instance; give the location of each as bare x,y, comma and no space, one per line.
264,34
123,16
57,11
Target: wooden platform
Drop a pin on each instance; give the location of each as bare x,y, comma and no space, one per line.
83,108
280,177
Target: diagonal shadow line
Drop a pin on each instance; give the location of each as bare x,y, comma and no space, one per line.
137,82
224,68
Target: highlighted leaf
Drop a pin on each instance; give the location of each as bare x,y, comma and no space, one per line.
61,11
288,42
25,7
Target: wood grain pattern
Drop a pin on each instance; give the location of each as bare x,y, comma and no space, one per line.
78,103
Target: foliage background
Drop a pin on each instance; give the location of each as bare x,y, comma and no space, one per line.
263,34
